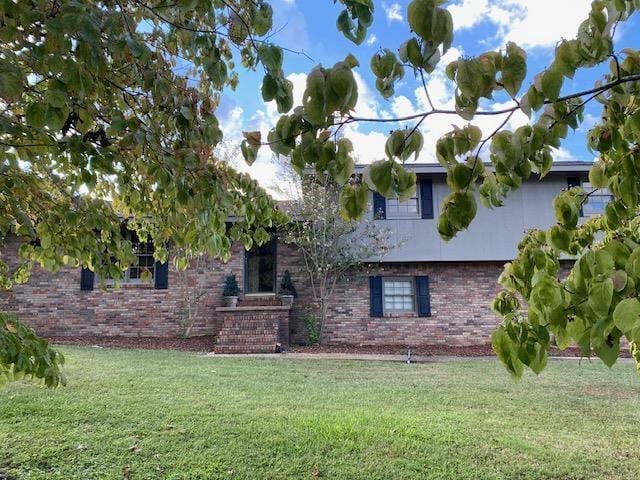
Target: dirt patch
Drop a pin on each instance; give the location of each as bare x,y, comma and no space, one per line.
194,344
206,344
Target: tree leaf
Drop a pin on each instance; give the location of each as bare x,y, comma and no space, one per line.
551,83
514,68
626,315
600,297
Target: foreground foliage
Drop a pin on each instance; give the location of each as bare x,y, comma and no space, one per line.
24,354
181,416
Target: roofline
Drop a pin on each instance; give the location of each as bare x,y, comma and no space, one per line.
437,169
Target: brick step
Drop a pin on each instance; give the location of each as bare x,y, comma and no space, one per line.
252,324
247,331
260,303
248,339
245,348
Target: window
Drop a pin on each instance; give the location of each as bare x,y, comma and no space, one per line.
407,209
145,265
399,294
596,202
146,262
260,269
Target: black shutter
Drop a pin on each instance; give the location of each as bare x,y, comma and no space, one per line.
424,299
573,182
375,293
87,279
161,275
379,206
426,198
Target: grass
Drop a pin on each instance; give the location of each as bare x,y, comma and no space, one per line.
173,415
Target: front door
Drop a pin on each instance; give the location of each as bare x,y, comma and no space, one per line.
260,269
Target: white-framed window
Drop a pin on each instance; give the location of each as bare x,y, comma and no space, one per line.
398,294
407,209
596,202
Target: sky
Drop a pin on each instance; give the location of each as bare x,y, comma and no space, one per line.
308,27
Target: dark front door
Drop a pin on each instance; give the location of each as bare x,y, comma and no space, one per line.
260,269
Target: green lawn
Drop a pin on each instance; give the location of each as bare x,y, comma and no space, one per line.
147,415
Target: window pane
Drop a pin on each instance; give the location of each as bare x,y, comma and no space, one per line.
398,294
397,209
597,201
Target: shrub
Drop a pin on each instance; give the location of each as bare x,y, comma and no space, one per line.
313,328
286,285
230,286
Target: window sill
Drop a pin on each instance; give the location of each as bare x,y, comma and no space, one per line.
407,314
126,286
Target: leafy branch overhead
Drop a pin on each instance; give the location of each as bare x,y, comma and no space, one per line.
108,110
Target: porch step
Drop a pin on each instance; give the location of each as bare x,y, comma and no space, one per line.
251,330
260,302
245,349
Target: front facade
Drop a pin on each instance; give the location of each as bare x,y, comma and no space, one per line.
425,292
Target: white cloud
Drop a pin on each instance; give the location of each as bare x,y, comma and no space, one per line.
539,23
371,40
393,12
563,155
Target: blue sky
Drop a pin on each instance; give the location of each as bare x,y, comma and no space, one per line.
309,26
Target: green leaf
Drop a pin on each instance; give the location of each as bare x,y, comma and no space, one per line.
263,19
270,87
597,176
271,56
600,297
11,85
249,152
459,177
551,83
608,352
314,98
55,117
514,68
626,315
506,352
353,201
380,174
36,115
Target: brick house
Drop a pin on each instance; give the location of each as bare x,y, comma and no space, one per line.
424,292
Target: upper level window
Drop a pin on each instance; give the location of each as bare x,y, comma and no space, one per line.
399,294
407,209
596,202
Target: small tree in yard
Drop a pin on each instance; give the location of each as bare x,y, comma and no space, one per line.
330,245
190,267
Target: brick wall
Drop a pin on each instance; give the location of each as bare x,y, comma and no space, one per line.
53,304
460,297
